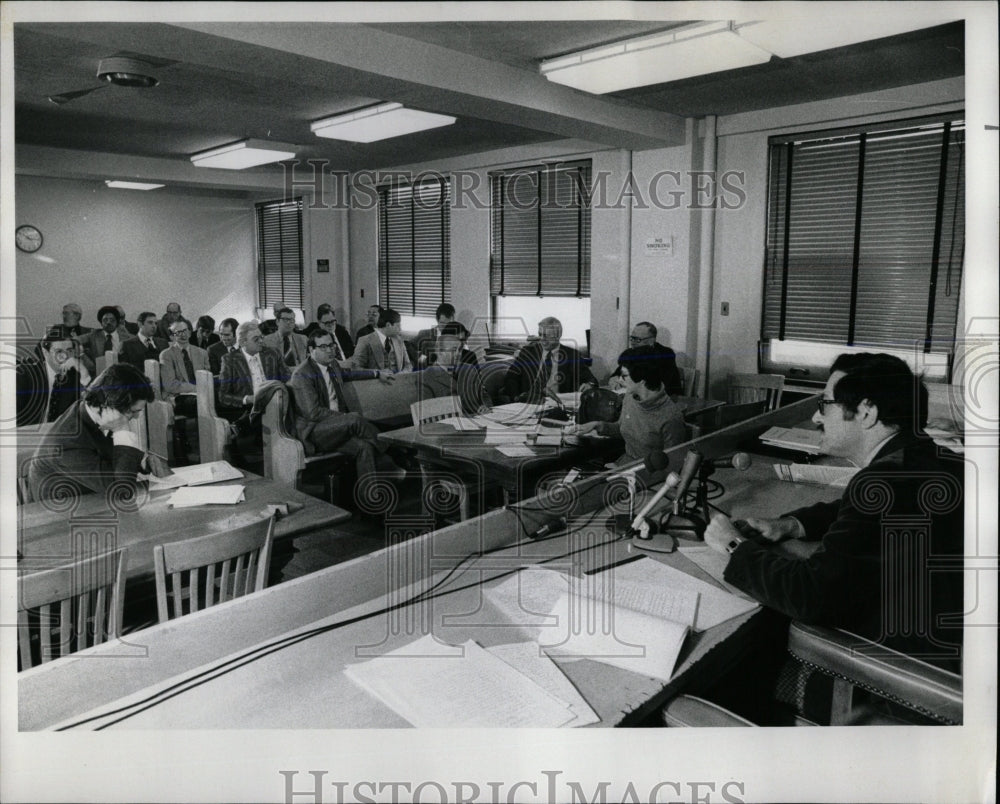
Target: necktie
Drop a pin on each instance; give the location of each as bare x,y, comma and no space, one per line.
337,353
109,345
150,348
188,366
545,371
336,392
289,354
58,385
390,356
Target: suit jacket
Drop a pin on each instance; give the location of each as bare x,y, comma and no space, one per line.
135,353
163,328
462,381
215,354
298,343
522,380
173,374
76,455
425,341
93,345
671,374
343,337
367,329
873,569
235,381
312,402
70,332
212,338
33,393
369,353
130,327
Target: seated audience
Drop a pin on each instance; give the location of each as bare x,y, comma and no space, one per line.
322,419
644,334
371,321
546,367
426,339
91,446
454,371
384,349
145,345
285,340
222,347
650,422
172,314
326,321
204,332
109,338
128,326
70,326
46,387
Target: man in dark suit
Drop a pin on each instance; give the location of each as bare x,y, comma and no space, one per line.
171,313
426,339
145,345
225,344
204,333
883,562
322,419
126,325
93,445
546,366
326,321
106,339
46,387
454,371
644,334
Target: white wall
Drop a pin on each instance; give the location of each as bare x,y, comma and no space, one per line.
137,249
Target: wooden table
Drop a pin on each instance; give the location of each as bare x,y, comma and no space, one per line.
51,534
301,685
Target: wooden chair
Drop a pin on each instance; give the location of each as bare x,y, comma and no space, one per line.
927,691
689,380
433,410
753,387
213,430
66,609
211,569
285,458
160,419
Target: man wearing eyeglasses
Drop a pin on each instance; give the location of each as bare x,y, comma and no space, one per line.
94,444
866,563
644,334
286,341
47,387
546,366
326,321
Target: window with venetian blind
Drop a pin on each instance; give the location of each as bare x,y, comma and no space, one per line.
865,235
279,253
540,231
414,246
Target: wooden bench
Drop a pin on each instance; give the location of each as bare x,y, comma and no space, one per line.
159,415
213,430
386,405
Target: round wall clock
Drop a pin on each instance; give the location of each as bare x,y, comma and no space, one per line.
28,238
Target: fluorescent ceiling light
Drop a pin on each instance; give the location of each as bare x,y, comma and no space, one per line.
697,49
792,37
132,185
378,123
244,154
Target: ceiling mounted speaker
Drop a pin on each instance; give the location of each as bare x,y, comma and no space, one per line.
126,72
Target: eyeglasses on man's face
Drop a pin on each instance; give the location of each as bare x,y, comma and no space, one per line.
639,338
328,323
325,346
822,403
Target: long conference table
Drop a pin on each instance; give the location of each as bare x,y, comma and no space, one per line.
276,659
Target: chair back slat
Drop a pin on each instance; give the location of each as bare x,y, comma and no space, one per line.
745,388
66,609
224,558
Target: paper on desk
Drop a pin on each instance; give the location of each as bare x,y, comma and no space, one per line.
498,434
516,451
838,476
196,475
189,496
461,423
713,562
476,689
526,597
530,661
793,438
714,605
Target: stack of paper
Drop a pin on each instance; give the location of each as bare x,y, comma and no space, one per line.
196,475
438,686
190,496
838,476
462,423
793,438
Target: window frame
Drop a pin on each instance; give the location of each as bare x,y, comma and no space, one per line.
292,275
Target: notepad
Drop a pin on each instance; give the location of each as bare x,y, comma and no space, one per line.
838,476
461,423
190,496
196,475
793,438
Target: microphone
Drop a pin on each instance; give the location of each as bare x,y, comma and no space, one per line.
692,462
673,479
738,460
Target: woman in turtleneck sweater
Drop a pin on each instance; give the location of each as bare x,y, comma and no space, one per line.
650,422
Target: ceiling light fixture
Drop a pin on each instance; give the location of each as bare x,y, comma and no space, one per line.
244,154
788,38
131,185
683,52
126,72
378,123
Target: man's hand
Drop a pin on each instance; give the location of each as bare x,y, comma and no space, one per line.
157,466
386,377
583,429
720,532
775,530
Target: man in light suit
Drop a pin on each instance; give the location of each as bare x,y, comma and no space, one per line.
47,387
545,367
178,364
384,349
286,341
109,338
225,344
426,339
322,419
145,346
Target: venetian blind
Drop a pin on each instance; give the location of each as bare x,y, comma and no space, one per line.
414,246
279,253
